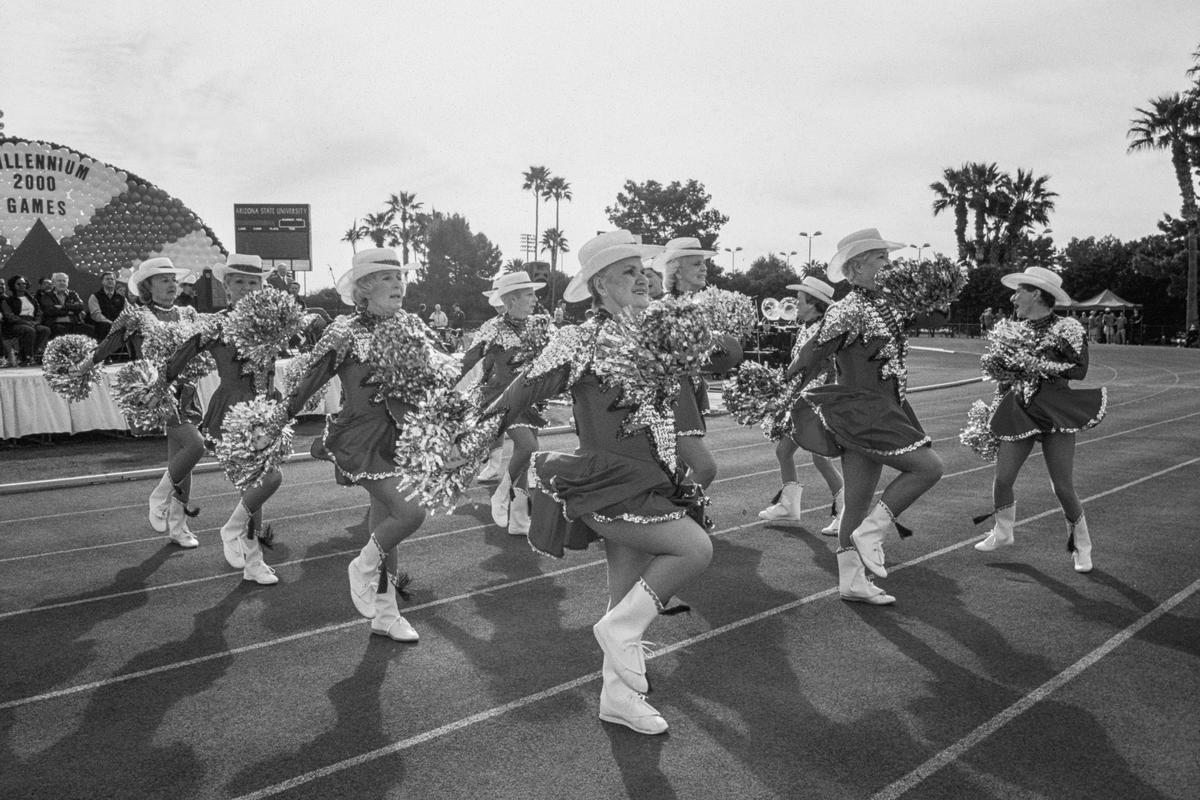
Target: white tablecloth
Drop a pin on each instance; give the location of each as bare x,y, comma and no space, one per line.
29,406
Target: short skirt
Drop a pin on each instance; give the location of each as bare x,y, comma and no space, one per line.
570,486
690,407
870,421
1054,408
361,443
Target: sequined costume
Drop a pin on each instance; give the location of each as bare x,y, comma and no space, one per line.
1051,406
506,346
130,328
238,382
360,439
625,467
784,422
866,408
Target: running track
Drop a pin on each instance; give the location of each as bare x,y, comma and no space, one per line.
131,669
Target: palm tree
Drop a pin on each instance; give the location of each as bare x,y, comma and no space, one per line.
981,184
378,227
535,181
513,265
557,189
952,193
355,234
554,241
1023,202
1169,123
405,206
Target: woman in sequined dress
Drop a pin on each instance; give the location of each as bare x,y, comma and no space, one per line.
813,298
1049,411
243,532
360,439
504,345
864,416
156,280
624,484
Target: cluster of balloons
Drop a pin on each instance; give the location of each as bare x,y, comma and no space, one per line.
114,220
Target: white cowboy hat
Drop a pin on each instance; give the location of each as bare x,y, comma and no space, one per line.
190,278
494,300
601,251
813,287
855,244
241,264
366,262
1043,279
664,264
154,266
511,281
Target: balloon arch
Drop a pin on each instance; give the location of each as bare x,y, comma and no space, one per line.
99,217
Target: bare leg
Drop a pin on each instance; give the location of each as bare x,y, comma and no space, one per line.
1059,451
185,448
525,441
919,471
679,550
861,475
254,498
625,566
693,452
828,469
1009,460
785,451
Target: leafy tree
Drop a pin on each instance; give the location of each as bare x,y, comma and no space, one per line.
767,276
952,195
659,213
536,179
1172,122
354,234
1163,258
405,206
459,268
981,184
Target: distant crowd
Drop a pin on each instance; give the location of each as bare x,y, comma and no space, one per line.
33,315
1103,327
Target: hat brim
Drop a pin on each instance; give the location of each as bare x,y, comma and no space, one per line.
535,285
139,275
345,282
836,271
577,287
810,291
660,262
1013,280
221,271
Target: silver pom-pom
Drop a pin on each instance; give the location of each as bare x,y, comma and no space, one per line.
977,435
58,366
256,437
143,396
424,441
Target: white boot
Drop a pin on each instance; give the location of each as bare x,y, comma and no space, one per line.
835,523
159,502
869,535
256,570
233,536
364,578
177,527
853,583
619,633
518,513
500,501
1001,534
1079,543
388,621
623,706
788,507
491,470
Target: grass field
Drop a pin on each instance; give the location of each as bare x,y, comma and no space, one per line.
132,669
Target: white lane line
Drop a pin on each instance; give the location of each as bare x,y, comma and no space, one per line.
959,748
1024,704
441,534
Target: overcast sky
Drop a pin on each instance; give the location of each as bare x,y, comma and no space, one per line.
796,116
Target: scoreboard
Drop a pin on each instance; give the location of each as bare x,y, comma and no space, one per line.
276,233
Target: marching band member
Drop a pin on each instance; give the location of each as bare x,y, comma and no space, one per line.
1044,410
505,344
864,416
813,298
156,281
622,485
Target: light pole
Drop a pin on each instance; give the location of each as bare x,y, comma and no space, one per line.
733,251
788,256
810,237
919,248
